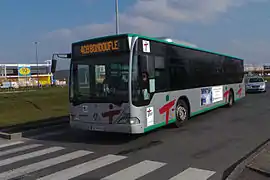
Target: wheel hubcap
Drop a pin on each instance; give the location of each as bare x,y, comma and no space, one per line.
181,113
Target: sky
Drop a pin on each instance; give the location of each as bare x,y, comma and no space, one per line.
236,27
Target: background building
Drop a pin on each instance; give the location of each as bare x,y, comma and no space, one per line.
261,69
26,74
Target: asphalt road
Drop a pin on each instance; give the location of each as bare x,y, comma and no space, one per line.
209,142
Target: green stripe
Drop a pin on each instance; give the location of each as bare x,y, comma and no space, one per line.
237,99
155,126
207,109
213,107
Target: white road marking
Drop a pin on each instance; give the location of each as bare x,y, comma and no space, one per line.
42,165
193,174
10,144
83,168
30,155
136,171
131,173
22,148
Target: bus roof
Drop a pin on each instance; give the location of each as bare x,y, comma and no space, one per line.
159,40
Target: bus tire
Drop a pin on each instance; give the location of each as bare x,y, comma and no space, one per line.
181,113
230,101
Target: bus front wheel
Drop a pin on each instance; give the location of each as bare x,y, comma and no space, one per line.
181,113
231,101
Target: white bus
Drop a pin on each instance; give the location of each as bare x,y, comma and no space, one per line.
131,83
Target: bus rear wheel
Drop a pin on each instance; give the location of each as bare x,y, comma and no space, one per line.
181,113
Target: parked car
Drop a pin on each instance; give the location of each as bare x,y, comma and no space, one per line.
255,84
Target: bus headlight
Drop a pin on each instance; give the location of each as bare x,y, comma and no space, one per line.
128,120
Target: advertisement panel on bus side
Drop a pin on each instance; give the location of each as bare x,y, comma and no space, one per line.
210,95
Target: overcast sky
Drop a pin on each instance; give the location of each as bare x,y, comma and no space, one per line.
237,27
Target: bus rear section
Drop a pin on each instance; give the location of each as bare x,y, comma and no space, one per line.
99,86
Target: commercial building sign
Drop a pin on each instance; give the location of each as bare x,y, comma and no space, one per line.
24,70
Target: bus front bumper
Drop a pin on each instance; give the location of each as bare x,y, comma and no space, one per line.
119,128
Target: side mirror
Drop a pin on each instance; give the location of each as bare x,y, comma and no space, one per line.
265,80
54,61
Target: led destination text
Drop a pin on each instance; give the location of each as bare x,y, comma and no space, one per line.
99,47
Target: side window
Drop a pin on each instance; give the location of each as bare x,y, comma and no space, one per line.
240,70
99,74
179,78
228,70
233,70
154,68
217,75
201,73
147,64
160,74
146,75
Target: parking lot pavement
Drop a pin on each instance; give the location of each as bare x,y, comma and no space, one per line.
207,144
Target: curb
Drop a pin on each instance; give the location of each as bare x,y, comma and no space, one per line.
235,169
34,124
12,136
33,128
38,131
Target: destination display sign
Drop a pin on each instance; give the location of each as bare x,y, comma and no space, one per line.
94,47
106,46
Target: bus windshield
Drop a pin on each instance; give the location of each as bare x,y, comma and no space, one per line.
100,79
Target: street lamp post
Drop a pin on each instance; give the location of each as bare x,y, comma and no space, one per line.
36,43
116,17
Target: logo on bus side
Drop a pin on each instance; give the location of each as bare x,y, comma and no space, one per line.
226,94
239,92
150,116
111,113
166,108
146,46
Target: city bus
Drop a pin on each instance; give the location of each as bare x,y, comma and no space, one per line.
133,84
